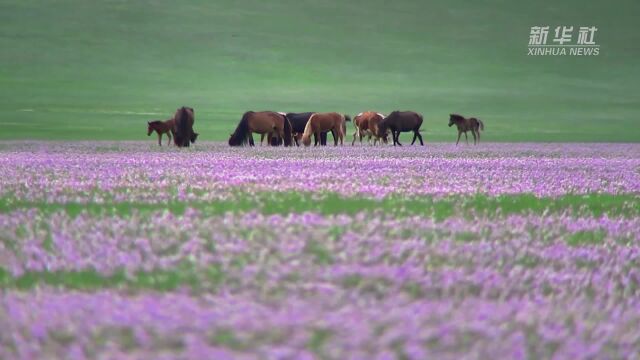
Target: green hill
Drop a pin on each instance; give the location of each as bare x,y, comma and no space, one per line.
76,69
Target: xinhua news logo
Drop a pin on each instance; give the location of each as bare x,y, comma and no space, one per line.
563,42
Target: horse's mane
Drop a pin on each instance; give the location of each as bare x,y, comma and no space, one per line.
240,135
306,135
457,117
155,122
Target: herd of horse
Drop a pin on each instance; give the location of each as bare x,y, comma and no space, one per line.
291,129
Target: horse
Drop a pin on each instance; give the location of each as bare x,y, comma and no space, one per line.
401,121
270,123
323,122
298,122
463,124
161,127
183,127
366,124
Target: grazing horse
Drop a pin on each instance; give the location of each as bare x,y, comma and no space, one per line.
463,124
323,122
298,122
183,127
161,127
401,121
366,124
271,123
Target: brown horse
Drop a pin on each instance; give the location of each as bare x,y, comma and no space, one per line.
274,125
366,124
161,127
183,127
463,124
401,121
322,122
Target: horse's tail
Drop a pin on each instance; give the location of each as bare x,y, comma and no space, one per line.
306,136
343,129
420,121
241,134
481,124
287,131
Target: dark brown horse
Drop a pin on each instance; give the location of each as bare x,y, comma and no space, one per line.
183,127
274,125
161,127
463,124
401,121
366,124
323,122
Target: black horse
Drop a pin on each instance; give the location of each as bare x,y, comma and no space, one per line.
402,121
183,127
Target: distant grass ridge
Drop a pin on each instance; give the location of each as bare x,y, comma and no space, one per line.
440,208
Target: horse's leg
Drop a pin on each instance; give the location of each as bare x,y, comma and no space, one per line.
457,141
398,138
420,138
355,134
262,139
159,139
169,136
473,132
415,136
251,143
335,135
466,137
478,132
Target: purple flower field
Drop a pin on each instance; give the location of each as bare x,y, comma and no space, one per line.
124,250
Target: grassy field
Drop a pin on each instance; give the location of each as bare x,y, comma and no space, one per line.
99,70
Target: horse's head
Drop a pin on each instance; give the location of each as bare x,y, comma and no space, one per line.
306,140
347,117
385,137
235,140
194,137
453,118
149,128
383,127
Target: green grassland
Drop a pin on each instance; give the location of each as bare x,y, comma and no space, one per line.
470,206
76,70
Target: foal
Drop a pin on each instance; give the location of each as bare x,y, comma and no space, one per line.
161,127
463,124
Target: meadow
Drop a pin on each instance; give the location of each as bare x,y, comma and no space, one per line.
127,250
78,71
